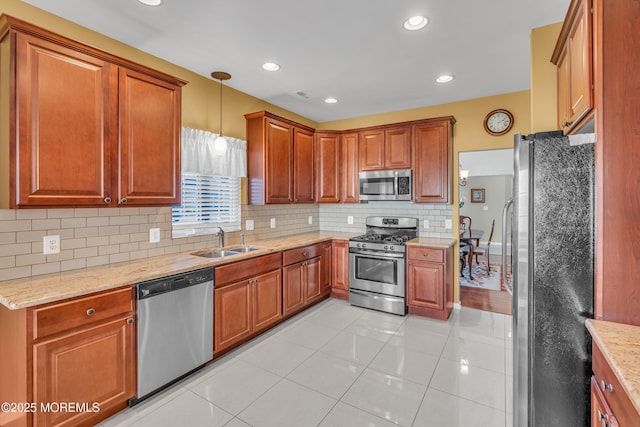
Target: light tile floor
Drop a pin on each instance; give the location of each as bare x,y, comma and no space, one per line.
338,365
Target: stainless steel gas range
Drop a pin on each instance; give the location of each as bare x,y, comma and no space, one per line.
377,264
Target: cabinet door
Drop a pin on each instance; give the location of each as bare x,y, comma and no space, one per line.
279,162
149,157
95,364
340,269
65,105
328,160
314,272
580,48
303,167
371,150
232,315
397,148
267,299
600,413
293,287
349,168
432,162
425,285
325,288
563,92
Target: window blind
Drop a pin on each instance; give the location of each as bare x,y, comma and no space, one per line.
208,202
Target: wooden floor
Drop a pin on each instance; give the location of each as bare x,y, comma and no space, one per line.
485,299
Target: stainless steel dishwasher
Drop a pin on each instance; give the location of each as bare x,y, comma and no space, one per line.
175,329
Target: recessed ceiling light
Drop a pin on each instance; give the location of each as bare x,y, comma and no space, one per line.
330,100
446,78
151,2
270,66
415,23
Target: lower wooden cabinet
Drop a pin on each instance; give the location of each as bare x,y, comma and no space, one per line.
430,282
304,277
327,265
247,299
340,269
93,366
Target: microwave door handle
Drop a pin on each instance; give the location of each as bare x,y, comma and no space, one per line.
395,186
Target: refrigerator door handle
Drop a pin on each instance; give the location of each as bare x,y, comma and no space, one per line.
505,216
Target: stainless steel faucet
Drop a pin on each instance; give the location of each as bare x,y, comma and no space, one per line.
220,237
241,239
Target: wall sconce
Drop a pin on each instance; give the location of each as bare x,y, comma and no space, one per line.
464,174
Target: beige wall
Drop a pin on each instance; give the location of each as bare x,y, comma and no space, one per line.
544,95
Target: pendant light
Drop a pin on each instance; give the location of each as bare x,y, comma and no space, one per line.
220,144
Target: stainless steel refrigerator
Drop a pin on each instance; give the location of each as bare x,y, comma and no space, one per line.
552,265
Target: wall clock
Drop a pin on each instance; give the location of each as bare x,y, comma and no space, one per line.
498,122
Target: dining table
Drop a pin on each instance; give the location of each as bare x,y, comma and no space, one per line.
472,241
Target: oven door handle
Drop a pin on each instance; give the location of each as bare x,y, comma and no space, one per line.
377,254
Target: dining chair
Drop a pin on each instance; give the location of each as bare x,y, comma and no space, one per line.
465,244
484,249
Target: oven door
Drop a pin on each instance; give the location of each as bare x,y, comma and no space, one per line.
379,272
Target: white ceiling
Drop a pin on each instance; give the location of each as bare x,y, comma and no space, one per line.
354,50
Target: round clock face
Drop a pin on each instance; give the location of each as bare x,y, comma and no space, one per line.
498,122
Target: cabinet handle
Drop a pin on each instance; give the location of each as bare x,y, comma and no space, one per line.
123,201
107,200
92,310
566,123
604,418
304,253
129,321
606,387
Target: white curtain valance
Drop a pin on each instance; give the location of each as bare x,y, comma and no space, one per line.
198,154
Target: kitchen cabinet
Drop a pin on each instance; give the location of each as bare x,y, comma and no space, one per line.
76,350
327,265
430,282
247,300
349,167
340,269
87,128
281,160
573,56
328,152
610,405
388,148
302,276
432,154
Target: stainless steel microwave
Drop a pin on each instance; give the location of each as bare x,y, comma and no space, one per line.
386,185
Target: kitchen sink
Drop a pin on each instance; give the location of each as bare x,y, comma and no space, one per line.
222,253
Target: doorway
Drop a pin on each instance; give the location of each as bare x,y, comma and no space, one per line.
481,197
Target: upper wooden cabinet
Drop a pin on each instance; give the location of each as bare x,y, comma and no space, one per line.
349,164
81,127
432,151
328,152
573,55
385,148
281,160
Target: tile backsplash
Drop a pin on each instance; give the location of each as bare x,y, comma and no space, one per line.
100,236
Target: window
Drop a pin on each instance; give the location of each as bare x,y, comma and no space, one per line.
210,185
208,202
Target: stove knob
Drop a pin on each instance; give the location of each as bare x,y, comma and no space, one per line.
386,247
391,248
359,245
364,246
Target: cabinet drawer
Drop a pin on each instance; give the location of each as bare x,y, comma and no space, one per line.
237,271
613,393
300,254
417,253
59,317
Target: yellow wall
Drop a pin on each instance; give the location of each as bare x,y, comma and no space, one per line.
544,105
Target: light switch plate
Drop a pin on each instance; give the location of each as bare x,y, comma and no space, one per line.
248,225
447,224
154,235
310,219
51,245
273,223
350,219
426,224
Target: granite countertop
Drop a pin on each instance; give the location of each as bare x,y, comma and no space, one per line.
432,242
620,345
21,293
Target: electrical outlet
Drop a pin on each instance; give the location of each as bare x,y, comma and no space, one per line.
426,224
310,219
350,219
51,245
273,223
447,224
248,225
154,235
485,208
